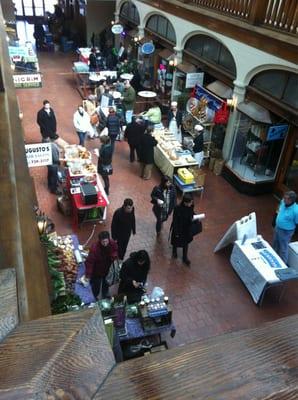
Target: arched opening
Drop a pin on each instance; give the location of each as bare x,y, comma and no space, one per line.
281,85
211,51
161,26
130,13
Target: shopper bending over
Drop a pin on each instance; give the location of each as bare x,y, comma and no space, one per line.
163,198
133,276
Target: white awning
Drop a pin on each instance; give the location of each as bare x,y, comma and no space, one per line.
220,89
255,112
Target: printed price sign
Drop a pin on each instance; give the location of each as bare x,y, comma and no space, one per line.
39,155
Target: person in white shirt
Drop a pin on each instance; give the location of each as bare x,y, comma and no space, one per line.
81,121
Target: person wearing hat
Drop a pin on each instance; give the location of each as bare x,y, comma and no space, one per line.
285,225
133,276
100,257
198,147
175,120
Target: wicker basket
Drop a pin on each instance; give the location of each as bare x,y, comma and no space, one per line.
218,166
199,176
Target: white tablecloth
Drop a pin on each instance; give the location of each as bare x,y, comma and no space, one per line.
166,165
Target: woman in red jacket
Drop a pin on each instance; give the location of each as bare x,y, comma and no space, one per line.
98,262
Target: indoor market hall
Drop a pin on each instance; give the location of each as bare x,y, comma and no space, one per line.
207,298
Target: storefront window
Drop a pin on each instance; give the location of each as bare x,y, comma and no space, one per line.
257,148
291,180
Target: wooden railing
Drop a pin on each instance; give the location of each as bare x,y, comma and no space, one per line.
277,14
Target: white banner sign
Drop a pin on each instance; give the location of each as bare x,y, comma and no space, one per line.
193,79
39,154
27,80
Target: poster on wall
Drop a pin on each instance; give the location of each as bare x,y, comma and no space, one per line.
193,79
25,65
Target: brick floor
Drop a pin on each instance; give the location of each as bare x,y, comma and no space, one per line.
208,298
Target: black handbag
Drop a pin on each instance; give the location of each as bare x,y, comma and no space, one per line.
105,169
196,227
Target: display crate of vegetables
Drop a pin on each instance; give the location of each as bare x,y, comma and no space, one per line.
63,298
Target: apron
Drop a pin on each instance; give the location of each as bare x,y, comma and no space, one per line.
173,128
199,158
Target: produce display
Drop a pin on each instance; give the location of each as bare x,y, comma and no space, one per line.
68,264
63,272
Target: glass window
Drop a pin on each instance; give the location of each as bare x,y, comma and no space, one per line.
226,61
124,10
272,82
162,27
152,23
212,50
19,7
256,149
291,180
290,94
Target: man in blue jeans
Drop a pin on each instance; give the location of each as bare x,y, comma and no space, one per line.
286,221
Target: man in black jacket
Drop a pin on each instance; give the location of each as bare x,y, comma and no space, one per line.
47,122
123,224
133,134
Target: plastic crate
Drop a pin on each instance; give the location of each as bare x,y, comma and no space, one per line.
186,176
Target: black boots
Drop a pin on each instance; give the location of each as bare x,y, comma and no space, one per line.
185,260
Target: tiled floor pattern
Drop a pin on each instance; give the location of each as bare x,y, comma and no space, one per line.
208,298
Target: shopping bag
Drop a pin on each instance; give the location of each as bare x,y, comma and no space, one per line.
113,276
196,227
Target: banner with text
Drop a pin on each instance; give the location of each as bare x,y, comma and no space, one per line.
39,155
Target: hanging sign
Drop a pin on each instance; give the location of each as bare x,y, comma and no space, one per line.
27,81
39,155
117,29
213,102
193,79
148,48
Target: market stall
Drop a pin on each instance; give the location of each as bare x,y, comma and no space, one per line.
89,200
169,155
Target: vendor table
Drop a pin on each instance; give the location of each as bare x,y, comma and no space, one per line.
259,267
84,211
167,166
147,95
135,330
187,188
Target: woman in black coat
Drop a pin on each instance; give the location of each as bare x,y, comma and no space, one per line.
123,224
147,144
181,226
163,198
133,276
104,165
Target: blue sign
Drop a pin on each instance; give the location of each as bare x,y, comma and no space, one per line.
214,103
277,132
148,48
